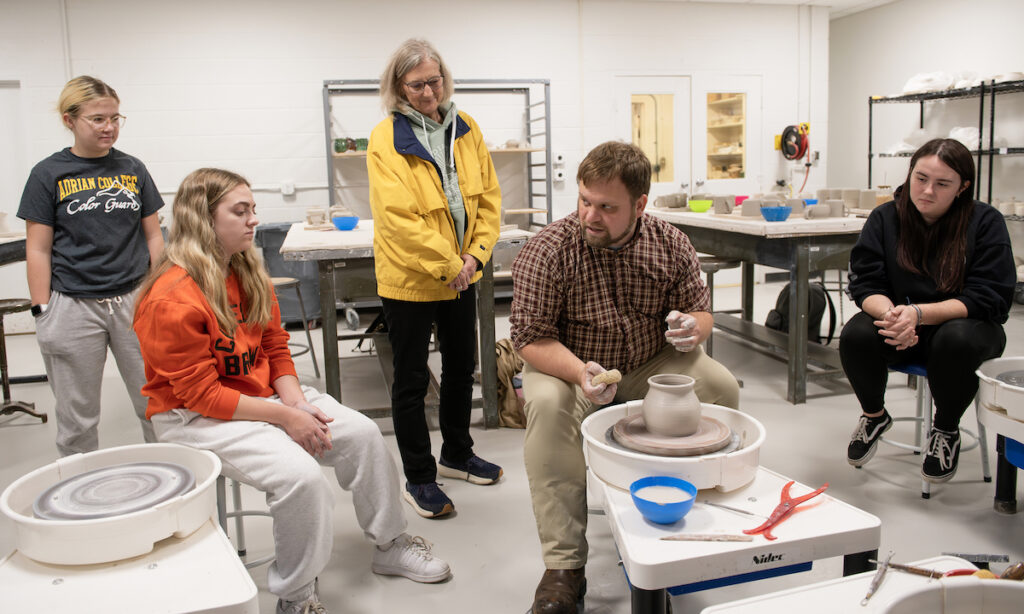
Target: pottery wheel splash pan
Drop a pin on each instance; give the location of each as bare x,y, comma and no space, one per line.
711,435
113,491
131,498
1002,385
727,469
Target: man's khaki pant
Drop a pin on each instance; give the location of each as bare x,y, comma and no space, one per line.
554,451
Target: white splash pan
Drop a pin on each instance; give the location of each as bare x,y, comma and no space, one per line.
997,395
961,595
101,540
723,471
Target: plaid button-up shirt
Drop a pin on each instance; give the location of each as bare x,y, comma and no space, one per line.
604,305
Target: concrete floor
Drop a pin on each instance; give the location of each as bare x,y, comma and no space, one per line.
491,541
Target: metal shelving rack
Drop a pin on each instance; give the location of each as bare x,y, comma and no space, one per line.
537,112
991,90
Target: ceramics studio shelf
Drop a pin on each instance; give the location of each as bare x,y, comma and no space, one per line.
986,154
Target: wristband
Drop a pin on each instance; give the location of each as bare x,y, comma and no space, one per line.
920,316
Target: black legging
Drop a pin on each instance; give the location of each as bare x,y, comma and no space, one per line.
951,352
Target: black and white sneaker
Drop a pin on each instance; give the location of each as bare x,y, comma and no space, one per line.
865,438
941,456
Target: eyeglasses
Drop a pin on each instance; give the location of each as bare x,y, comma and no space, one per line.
100,121
433,82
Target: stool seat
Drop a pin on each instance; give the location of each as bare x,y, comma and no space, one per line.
12,305
709,265
714,264
285,283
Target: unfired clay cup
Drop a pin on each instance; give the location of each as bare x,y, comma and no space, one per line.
751,207
817,211
837,208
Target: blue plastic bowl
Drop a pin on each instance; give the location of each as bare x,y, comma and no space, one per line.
776,214
810,201
347,222
663,513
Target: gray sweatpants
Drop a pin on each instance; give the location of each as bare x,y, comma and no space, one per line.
73,337
300,498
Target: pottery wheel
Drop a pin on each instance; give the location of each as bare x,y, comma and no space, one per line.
712,435
1013,378
113,491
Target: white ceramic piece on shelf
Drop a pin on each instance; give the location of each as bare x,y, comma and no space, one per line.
671,407
836,207
796,204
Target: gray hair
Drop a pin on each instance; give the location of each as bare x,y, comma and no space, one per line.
407,57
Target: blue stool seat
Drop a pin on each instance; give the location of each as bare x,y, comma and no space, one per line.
1014,452
923,420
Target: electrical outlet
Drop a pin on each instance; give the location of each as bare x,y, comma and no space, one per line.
287,188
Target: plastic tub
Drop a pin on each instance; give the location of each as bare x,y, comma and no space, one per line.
101,540
998,395
723,471
960,595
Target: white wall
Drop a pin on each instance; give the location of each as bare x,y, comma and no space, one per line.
875,52
237,83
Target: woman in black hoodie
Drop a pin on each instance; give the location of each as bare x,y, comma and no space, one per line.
933,274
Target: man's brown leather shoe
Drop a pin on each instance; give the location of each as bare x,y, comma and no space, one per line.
559,591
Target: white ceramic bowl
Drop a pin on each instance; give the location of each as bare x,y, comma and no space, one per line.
995,394
101,540
724,471
961,595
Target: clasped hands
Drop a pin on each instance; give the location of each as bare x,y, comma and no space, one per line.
308,428
899,326
462,280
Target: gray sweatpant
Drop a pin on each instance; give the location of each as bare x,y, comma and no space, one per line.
300,498
73,337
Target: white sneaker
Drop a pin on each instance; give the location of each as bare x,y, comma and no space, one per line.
410,557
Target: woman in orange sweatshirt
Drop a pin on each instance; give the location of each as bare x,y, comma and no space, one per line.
221,378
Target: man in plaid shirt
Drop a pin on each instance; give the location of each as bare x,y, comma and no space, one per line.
605,287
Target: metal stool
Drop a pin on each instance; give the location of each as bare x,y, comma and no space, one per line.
923,420
710,265
283,283
237,513
12,305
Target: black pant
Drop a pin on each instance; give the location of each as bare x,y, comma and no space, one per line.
409,326
951,352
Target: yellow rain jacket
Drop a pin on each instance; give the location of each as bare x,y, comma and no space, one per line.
415,248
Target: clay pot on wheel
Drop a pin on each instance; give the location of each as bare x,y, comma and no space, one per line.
671,408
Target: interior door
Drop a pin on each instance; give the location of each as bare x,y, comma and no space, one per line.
653,112
727,140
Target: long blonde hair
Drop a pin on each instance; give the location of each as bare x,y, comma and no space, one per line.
193,245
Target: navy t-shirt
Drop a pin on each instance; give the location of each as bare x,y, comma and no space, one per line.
95,206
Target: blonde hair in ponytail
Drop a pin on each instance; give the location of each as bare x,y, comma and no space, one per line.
192,244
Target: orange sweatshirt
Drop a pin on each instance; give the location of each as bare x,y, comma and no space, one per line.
191,364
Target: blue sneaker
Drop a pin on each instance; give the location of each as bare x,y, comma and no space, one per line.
475,470
428,500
